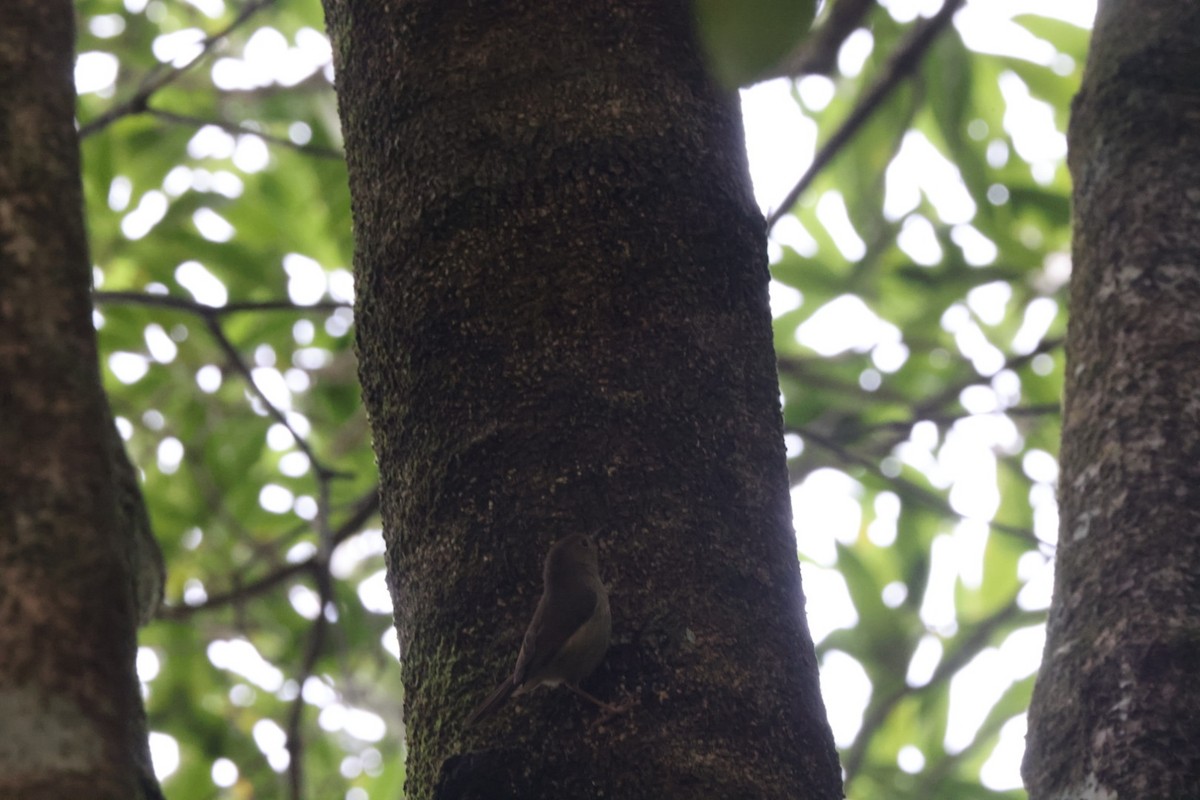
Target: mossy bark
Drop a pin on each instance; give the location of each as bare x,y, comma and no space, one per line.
563,327
1116,711
71,717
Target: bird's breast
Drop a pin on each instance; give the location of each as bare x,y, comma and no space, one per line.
585,649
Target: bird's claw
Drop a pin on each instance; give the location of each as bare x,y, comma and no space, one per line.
610,710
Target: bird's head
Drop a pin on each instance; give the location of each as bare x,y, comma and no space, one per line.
575,552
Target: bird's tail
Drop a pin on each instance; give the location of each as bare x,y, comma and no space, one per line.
494,701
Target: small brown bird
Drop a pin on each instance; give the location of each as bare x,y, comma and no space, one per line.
570,630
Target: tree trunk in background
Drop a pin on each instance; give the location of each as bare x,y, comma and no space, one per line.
563,326
71,718
1116,712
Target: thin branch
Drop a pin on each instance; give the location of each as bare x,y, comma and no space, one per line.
210,315
364,508
238,594
934,407
912,490
164,74
318,81
878,713
206,311
817,54
951,393
312,651
801,370
905,426
901,64
316,642
242,368
239,129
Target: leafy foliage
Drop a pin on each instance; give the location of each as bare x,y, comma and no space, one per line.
220,229
945,416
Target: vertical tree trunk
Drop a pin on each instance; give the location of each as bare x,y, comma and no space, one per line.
71,718
1116,712
563,327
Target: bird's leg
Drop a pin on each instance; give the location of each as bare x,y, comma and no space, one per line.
609,709
589,697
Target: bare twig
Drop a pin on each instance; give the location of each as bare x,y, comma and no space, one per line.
312,651
236,128
164,74
239,594
211,317
934,407
950,393
318,81
316,642
207,311
809,374
878,713
901,64
909,489
903,427
817,54
364,508
242,368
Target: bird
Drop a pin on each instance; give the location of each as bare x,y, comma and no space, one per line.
570,630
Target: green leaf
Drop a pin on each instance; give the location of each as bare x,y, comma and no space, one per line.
1067,38
745,38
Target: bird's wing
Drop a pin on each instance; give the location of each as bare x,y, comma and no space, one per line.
558,616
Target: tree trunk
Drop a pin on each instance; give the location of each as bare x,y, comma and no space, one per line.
563,327
71,717
1116,712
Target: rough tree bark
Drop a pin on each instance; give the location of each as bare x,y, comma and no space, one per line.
1116,711
71,717
563,326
